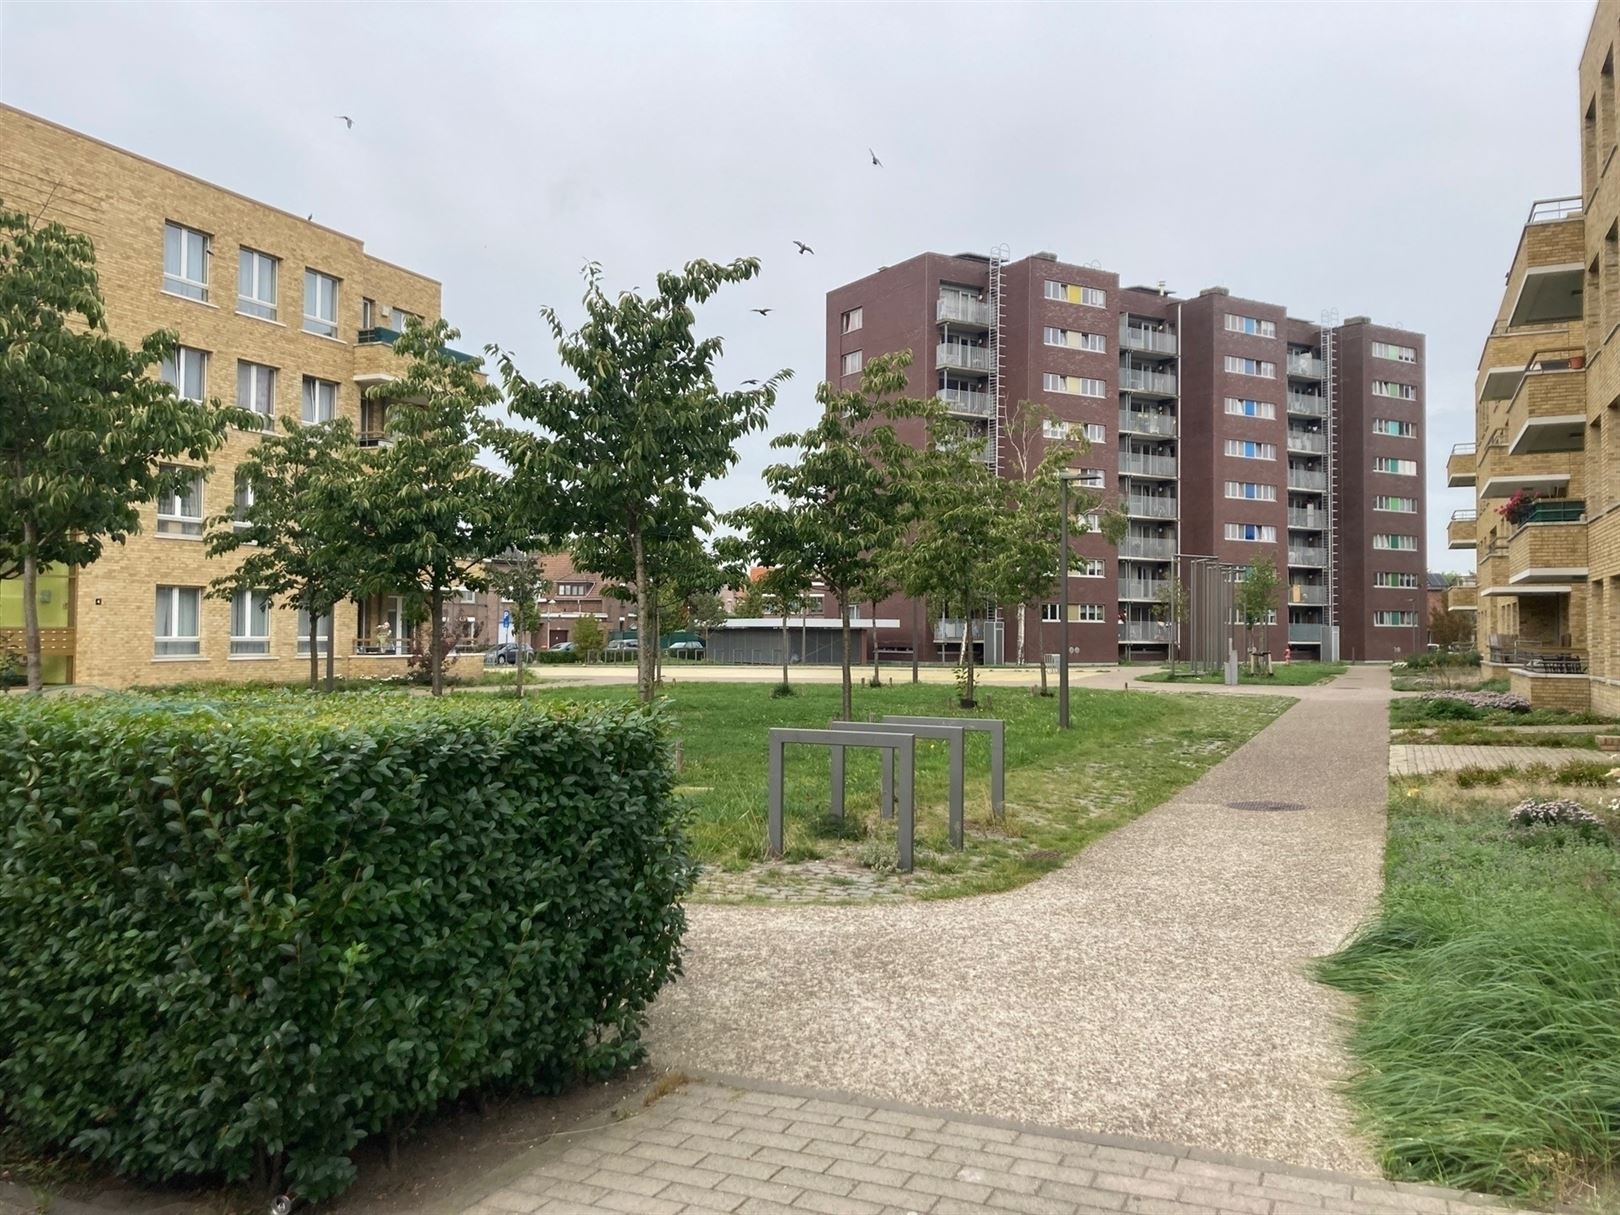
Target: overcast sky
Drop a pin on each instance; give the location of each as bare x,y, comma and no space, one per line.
1369,158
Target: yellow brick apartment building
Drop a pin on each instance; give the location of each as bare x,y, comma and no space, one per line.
281,315
1547,429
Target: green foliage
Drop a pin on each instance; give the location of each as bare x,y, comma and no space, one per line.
256,928
520,582
1428,660
588,635
1473,777
1488,1040
85,431
1255,597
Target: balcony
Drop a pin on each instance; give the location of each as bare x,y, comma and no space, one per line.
1132,464
958,310
1461,531
1305,634
378,336
1462,597
1310,482
1138,422
1143,507
1305,366
1307,520
1147,341
986,454
1307,405
1547,411
1548,266
1550,546
1142,590
1307,441
1147,383
1307,556
950,631
1307,596
1145,548
1460,466
970,402
1151,631
959,356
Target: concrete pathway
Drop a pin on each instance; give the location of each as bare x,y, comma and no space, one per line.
754,1149
1155,986
1425,758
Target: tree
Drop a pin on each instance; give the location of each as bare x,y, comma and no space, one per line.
85,432
429,513
588,635
1171,606
293,523
841,505
1256,599
1448,629
518,579
632,445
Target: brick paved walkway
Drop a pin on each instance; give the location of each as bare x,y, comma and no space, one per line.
750,1149
1421,760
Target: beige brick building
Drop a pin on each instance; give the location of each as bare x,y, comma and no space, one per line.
1547,425
279,314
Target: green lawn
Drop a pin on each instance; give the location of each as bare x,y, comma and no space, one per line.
1125,754
1283,675
1488,1034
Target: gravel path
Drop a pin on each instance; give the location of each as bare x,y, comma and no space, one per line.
1154,986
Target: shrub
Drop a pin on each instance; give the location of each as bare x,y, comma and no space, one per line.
1535,812
1482,700
1448,708
1584,772
1471,777
238,935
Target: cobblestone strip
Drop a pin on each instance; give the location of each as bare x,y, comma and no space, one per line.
1424,759
754,1149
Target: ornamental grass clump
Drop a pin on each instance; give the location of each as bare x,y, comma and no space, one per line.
1506,701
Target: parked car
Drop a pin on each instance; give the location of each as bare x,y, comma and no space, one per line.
685,649
505,655
563,647
622,645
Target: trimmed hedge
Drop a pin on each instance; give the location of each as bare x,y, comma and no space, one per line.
239,934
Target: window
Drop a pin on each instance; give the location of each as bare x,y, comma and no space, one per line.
1091,522
853,319
320,400
1405,544
242,500
320,303
1247,449
174,629
186,371
573,590
1244,407
1074,339
1092,297
1395,620
1254,491
180,512
1406,506
1388,350
465,594
323,633
250,624
399,320
1054,430
1259,367
1089,567
1050,612
852,362
1251,325
256,275
1389,464
1261,533
1394,581
185,262
1074,385
1089,613
1389,388
256,390
1096,432
368,313
1396,427
1091,478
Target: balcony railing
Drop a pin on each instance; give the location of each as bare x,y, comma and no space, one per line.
1133,465
1152,341
1306,404
1138,422
1551,210
1307,556
1142,589
966,400
1307,520
960,311
1304,634
1137,379
371,647
1144,548
1304,440
1555,510
951,630
1150,508
378,336
1145,630
1315,482
1307,595
962,357
1307,366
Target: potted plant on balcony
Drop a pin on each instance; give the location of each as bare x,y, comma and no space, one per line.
1518,509
385,636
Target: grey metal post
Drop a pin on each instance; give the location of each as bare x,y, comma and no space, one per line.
884,740
994,727
958,764
908,803
835,797
950,730
1063,610
886,763
773,823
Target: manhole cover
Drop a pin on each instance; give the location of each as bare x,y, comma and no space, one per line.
1266,805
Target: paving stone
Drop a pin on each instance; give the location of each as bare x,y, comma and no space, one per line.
877,1174
751,1188
628,1183
997,1178
836,1204
739,1166
872,1191
639,1204
513,1200
670,1155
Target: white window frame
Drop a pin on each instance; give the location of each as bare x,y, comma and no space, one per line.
172,516
1393,580
1394,391
183,280
260,396
176,644
1264,533
1252,325
323,633
1395,428
400,318
1088,613
1090,567
1238,407
1391,542
1263,491
1095,432
1403,618
242,498
1408,506
252,269
1262,450
851,363
1093,297
251,607
853,319
1260,369
1393,352
1051,613
573,590
1402,468
177,368
317,322
309,398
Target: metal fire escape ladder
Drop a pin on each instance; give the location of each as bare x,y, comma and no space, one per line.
1330,325
994,621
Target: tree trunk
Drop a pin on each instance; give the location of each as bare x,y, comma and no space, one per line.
30,593
331,651
522,643
436,641
916,637
1040,644
314,645
846,701
782,604
967,645
1023,610
877,673
644,656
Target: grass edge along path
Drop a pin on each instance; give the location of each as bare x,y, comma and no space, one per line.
1487,1028
1283,675
1127,753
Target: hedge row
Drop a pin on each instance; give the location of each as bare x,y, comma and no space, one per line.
237,936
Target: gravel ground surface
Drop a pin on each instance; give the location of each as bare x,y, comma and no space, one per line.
1155,986
1407,759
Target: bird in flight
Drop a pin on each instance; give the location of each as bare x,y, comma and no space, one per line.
347,121
803,248
750,381
875,160
761,311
